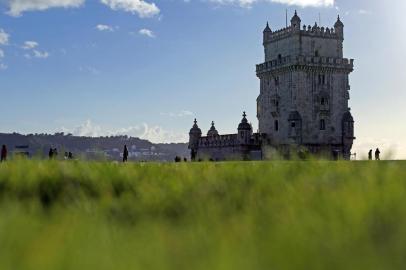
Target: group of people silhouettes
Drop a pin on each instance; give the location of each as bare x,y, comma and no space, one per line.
377,154
53,154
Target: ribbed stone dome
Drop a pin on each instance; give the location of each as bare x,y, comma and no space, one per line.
244,125
212,131
195,130
339,23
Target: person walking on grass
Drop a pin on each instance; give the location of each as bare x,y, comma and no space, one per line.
370,155
125,154
377,154
3,153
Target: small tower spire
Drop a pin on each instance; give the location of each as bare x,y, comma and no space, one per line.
267,28
339,27
296,21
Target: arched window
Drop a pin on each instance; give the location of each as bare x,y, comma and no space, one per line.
322,124
276,125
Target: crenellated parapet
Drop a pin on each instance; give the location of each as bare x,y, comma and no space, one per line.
316,31
218,141
313,31
295,28
305,61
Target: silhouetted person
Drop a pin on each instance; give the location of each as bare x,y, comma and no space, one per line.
66,155
377,154
370,155
70,155
177,159
125,154
3,153
51,153
184,159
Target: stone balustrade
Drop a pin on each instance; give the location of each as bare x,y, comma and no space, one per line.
328,62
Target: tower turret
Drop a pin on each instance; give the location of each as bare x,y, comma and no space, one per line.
267,34
295,22
212,131
194,135
339,28
244,130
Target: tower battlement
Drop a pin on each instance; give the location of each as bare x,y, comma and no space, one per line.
314,31
306,61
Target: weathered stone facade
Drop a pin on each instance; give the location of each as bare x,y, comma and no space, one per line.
303,99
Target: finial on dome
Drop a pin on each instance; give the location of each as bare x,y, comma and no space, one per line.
244,114
339,23
295,21
195,121
267,28
212,123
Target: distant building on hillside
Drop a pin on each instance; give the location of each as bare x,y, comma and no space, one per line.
302,103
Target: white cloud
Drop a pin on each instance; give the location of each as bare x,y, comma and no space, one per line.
17,7
155,134
39,54
146,32
33,52
140,7
3,37
28,45
104,27
302,3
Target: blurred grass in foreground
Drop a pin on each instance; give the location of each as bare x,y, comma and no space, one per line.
251,215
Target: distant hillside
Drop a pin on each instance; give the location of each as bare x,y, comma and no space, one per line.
92,147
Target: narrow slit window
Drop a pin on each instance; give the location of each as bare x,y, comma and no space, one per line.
322,124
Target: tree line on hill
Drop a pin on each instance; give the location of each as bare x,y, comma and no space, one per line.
102,148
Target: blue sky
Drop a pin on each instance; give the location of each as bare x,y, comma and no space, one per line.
147,68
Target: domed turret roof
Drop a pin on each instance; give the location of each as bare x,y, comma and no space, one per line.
244,125
339,23
212,131
295,18
267,28
195,129
347,117
294,116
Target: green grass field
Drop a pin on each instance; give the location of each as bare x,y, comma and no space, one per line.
263,215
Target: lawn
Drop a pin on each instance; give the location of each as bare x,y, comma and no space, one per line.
242,215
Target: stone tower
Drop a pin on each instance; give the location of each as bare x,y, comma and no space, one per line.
304,89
